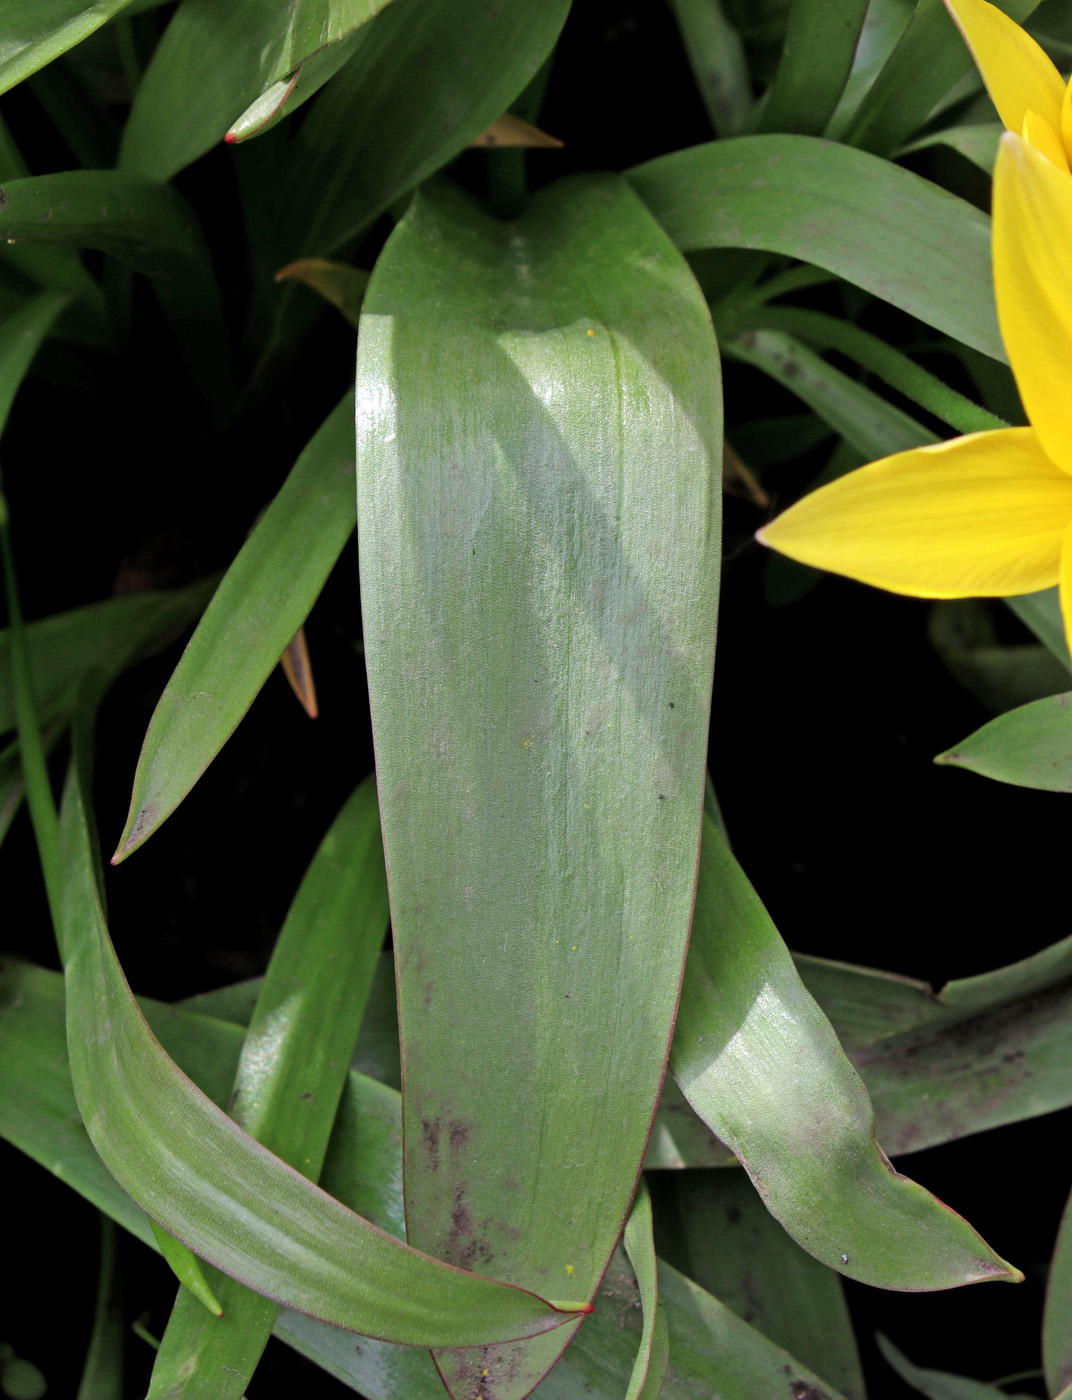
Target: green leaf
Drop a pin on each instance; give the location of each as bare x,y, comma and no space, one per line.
215,60
539,601
940,1385
1042,613
37,31
109,637
653,1356
815,63
882,228
714,1227
872,353
714,1352
428,79
264,598
21,336
993,1049
759,1062
292,1071
145,225
962,632
187,1269
209,1184
1057,1318
1029,747
864,419
929,58
979,144
102,1374
717,58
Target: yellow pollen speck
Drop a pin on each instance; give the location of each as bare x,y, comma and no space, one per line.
574,947
591,332
485,1372
569,1270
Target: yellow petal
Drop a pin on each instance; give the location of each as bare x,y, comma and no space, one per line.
1066,586
1041,136
1066,118
983,515
1017,73
1033,287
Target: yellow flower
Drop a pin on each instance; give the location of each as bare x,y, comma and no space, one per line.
988,514
1024,85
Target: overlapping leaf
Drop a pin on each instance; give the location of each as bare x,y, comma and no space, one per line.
263,600
217,1190
870,222
538,589
215,60
713,1351
760,1063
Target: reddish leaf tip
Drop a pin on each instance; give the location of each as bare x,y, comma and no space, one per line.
231,138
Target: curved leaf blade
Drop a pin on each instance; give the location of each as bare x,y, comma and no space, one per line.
760,1063
292,1071
539,601
429,78
263,599
208,1183
38,31
214,61
1030,746
878,226
1057,1318
149,227
814,66
653,1354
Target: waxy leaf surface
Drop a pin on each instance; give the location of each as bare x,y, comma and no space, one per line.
539,428
291,1073
760,1063
878,226
713,1351
208,1183
37,31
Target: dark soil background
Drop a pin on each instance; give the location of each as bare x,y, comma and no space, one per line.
827,714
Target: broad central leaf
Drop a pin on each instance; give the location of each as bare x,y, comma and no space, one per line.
538,436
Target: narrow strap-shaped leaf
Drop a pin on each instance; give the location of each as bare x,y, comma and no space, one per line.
1057,1318
878,226
102,1374
714,1227
717,59
214,61
108,636
21,336
1030,746
864,419
940,1385
213,1187
873,353
815,63
715,1352
293,1069
759,1062
930,57
428,79
37,31
144,224
1042,613
265,596
539,431
653,1354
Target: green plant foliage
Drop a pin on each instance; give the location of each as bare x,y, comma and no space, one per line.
480,488
593,688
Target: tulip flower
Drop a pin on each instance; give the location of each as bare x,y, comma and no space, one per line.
1023,83
989,514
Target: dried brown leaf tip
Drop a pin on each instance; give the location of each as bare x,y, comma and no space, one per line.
512,131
